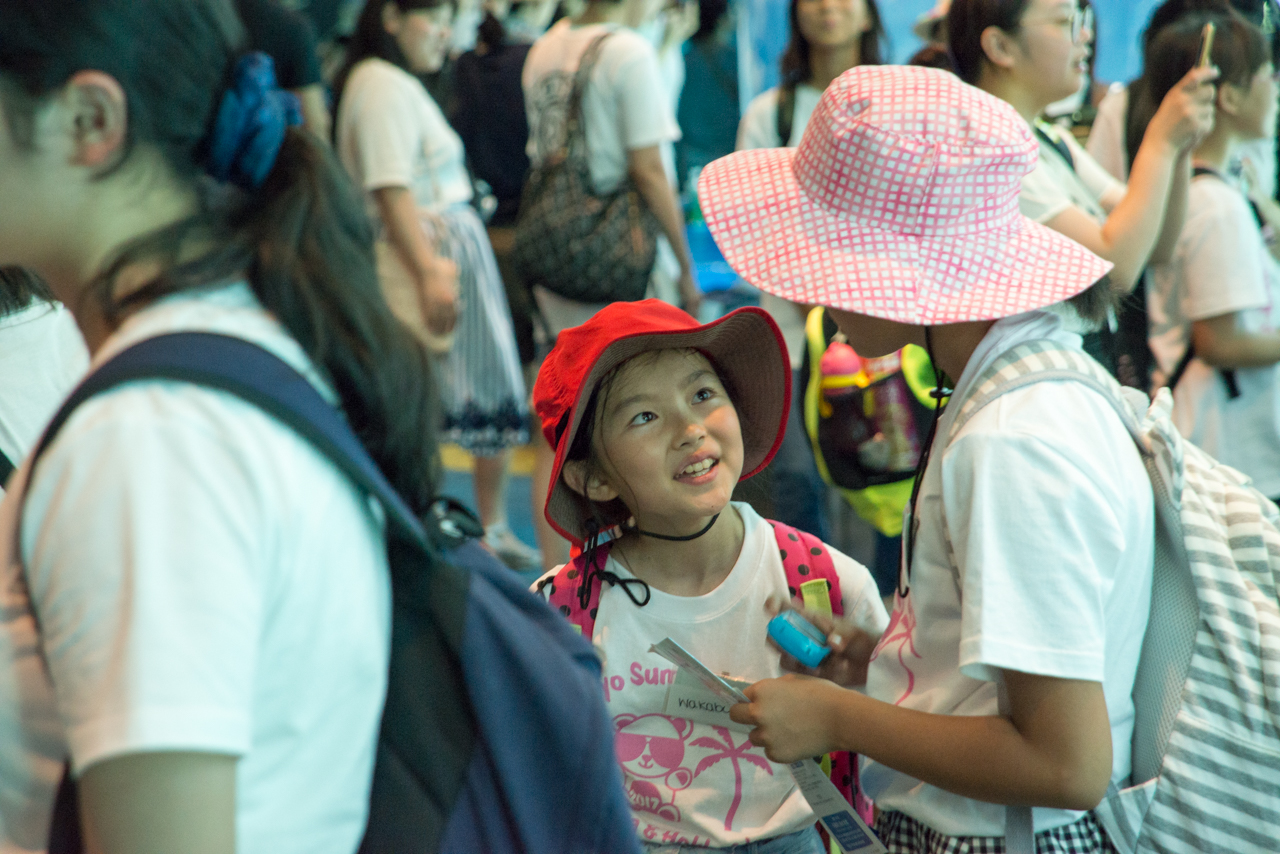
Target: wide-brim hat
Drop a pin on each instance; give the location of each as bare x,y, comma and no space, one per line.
745,348
901,202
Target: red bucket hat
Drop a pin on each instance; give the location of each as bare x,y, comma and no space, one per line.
745,347
901,202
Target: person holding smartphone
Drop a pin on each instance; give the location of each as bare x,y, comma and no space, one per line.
1031,53
1215,305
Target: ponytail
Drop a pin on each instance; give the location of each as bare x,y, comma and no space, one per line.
19,288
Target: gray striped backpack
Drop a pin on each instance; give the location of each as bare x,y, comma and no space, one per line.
1206,740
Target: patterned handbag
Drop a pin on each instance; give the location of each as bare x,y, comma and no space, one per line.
568,239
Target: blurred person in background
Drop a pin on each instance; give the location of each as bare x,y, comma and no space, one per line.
1215,305
1031,53
629,123
708,110
489,116
828,37
1121,120
399,149
41,357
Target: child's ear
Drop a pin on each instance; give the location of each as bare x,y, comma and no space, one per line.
99,117
998,46
592,487
1229,98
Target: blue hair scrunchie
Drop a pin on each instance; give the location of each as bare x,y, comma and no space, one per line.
251,124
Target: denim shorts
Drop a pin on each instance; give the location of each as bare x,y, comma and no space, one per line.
805,841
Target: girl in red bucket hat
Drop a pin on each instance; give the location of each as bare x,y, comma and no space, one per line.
1006,674
654,420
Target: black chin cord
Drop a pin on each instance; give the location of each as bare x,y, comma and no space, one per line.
595,567
683,539
939,393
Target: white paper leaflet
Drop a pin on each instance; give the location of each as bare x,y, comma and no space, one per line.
839,818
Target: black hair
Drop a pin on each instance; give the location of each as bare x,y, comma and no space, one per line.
932,56
1239,50
302,238
795,59
709,14
371,38
19,288
967,20
492,34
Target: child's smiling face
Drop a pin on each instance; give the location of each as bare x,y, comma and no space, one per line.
669,442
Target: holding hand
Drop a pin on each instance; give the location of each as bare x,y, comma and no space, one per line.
850,655
438,293
794,717
1185,116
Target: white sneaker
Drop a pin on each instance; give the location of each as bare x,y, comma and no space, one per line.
508,548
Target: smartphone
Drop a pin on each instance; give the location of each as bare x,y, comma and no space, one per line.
799,637
1206,46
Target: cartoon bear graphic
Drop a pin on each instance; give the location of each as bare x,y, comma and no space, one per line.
651,751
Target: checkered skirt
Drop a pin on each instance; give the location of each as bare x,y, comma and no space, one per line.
902,834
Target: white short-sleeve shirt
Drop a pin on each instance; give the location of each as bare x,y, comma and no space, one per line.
41,357
697,782
391,134
1221,266
205,581
626,105
1051,516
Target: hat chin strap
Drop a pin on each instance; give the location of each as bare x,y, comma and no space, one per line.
671,539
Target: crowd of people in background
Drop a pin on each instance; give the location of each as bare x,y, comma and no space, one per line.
342,183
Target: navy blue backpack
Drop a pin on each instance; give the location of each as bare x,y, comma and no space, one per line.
494,736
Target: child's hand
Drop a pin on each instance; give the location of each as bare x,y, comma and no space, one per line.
793,716
851,650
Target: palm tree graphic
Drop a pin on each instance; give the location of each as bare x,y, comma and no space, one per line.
733,752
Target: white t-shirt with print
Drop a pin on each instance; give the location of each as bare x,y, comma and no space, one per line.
206,581
41,357
1221,266
625,105
700,783
759,129
391,134
1051,515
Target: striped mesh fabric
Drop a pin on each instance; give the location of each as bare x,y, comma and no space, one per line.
1206,752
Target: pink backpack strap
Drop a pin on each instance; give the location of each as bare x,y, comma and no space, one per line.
804,558
566,597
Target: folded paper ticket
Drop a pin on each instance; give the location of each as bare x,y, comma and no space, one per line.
839,818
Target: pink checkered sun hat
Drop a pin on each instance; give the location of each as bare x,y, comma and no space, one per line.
901,202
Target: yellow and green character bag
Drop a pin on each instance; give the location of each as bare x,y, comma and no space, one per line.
867,420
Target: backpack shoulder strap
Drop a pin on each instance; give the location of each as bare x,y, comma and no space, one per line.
806,559
251,373
1049,135
1045,361
566,591
6,469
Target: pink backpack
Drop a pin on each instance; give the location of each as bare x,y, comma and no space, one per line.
804,558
